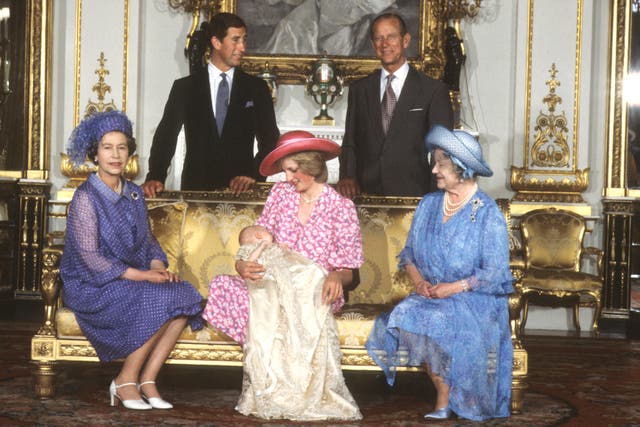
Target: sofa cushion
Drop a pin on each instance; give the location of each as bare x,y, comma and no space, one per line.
66,324
354,325
210,239
166,220
384,232
355,322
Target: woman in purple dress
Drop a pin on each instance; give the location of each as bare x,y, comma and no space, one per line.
114,273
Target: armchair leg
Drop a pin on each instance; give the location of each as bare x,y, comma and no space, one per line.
517,396
44,375
525,313
596,316
576,316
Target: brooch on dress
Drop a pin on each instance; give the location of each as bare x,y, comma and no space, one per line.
475,205
134,195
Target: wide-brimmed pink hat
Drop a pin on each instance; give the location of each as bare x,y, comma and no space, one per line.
297,141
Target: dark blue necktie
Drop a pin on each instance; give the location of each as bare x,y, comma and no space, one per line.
222,102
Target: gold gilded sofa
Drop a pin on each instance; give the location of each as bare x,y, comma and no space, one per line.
199,232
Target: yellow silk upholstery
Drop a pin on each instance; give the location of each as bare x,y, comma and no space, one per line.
210,240
66,323
553,240
355,322
553,252
168,216
384,231
201,240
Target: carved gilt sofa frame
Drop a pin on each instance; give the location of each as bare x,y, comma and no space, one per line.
198,231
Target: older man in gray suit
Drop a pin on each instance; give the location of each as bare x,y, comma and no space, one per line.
389,112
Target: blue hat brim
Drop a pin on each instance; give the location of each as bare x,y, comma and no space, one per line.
460,144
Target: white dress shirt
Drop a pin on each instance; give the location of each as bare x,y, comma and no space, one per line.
397,83
214,82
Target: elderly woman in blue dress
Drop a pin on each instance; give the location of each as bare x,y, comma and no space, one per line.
456,323
114,273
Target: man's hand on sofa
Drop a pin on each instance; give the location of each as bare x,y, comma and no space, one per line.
152,187
348,187
240,184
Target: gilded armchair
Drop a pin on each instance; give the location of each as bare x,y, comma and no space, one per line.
553,257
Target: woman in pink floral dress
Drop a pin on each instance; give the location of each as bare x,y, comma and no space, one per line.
305,214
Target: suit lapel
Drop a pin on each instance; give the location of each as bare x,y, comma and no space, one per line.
373,89
236,96
202,98
406,99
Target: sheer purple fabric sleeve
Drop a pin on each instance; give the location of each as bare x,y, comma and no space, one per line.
493,275
82,239
154,250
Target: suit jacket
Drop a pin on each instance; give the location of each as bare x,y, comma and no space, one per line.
212,161
395,164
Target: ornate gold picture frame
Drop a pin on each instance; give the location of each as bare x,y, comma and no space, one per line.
292,69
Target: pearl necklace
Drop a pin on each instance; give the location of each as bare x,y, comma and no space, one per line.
449,208
308,201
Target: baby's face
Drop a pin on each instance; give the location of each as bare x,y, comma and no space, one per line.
263,236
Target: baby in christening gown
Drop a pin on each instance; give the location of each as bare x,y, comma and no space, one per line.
292,352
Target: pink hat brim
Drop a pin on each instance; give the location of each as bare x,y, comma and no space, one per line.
290,144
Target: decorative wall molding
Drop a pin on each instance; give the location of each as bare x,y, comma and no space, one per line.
91,44
550,149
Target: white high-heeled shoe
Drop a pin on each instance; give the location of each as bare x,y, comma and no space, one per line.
138,404
155,402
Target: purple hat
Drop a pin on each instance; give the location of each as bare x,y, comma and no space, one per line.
461,145
89,131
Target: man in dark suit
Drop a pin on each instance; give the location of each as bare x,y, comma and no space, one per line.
222,110
387,119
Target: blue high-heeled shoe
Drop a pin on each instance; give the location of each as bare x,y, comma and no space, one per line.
439,414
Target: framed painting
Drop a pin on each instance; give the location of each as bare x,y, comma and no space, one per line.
290,35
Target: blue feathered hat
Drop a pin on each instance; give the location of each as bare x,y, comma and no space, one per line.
464,149
89,131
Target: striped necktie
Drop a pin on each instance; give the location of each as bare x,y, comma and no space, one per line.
388,104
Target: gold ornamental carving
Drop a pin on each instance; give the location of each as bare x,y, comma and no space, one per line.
80,350
42,349
618,207
207,355
550,147
357,360
552,189
50,288
458,9
101,88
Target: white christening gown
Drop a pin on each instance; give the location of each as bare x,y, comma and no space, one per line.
292,352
